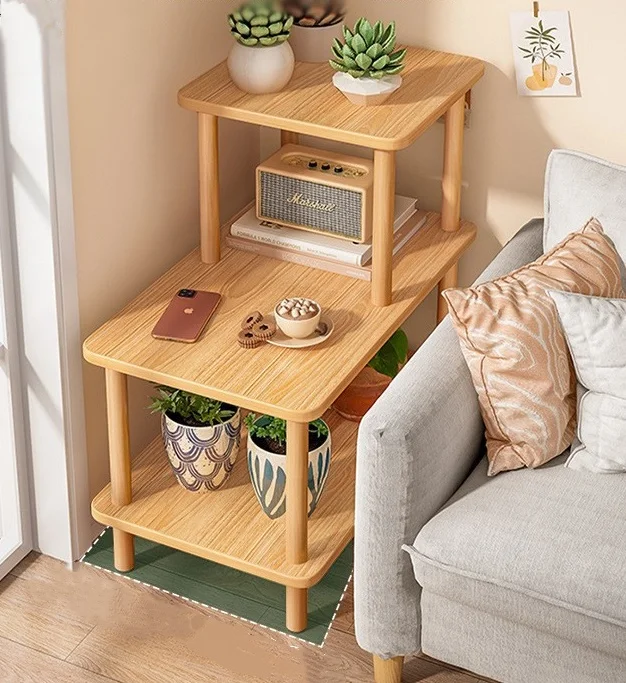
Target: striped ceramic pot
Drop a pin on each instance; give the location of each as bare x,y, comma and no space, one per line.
268,473
202,458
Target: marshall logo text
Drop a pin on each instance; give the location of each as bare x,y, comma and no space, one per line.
311,203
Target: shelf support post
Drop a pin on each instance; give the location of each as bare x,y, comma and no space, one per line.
451,186
382,229
453,166
289,138
119,459
297,517
208,154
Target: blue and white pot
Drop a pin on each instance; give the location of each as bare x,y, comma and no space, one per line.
268,473
202,458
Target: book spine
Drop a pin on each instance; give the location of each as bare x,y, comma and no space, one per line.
298,257
284,242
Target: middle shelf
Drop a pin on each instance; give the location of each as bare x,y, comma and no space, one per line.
228,526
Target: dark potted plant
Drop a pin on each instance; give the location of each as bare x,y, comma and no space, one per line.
316,24
371,382
201,437
267,460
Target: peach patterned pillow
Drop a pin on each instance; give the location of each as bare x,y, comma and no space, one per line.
516,352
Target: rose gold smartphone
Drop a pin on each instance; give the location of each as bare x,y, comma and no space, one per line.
186,316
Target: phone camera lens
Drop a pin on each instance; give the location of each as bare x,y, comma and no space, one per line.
187,293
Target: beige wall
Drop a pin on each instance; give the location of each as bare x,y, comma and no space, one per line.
510,136
134,161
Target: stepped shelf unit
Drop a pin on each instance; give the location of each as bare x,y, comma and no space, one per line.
228,526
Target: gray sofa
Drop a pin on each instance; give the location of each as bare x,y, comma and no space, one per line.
520,577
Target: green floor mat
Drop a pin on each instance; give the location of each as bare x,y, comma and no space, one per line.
229,590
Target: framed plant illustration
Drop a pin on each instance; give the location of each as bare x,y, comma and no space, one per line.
543,54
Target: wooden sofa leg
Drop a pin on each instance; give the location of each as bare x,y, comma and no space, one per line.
388,670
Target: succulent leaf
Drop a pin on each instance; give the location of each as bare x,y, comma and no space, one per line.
358,43
368,51
374,51
260,31
397,57
259,21
366,31
247,13
380,63
363,61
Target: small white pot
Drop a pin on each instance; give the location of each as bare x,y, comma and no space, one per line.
314,43
260,70
366,92
202,458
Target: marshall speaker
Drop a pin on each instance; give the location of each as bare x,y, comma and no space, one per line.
316,190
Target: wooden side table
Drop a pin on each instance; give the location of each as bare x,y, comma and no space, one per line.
228,526
435,84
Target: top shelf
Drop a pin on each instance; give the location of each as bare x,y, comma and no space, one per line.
311,105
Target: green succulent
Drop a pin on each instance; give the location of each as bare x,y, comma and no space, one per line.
368,51
261,23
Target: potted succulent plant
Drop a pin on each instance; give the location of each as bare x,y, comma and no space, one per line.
367,64
369,385
267,457
316,24
201,437
261,60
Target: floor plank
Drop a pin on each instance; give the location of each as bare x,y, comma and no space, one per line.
143,636
38,618
21,664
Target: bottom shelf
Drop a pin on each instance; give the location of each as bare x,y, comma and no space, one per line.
228,526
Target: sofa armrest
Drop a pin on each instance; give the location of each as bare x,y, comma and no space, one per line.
415,448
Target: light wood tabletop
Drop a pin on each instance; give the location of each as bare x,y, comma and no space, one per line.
294,384
310,104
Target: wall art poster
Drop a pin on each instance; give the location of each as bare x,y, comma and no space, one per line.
543,53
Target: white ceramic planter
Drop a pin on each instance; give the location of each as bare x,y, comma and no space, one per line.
202,458
268,473
260,70
314,43
366,92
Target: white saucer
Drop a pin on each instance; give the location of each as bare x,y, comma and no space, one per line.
281,339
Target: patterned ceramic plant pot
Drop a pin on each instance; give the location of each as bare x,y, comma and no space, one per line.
268,473
202,458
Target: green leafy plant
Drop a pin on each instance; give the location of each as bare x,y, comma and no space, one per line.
315,12
542,46
392,356
261,23
275,429
190,409
368,51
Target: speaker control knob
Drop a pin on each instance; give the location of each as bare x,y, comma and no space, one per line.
338,169
312,163
325,167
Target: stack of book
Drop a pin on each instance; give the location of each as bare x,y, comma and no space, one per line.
312,249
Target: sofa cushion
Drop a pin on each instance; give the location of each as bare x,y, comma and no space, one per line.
537,544
579,186
512,341
595,329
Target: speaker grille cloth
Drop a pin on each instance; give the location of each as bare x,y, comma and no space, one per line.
345,220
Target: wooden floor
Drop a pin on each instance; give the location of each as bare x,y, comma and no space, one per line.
89,626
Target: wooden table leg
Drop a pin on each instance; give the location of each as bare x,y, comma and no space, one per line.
449,280
289,138
453,166
297,517
451,185
382,236
119,458
208,154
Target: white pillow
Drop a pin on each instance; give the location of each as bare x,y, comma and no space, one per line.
595,329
